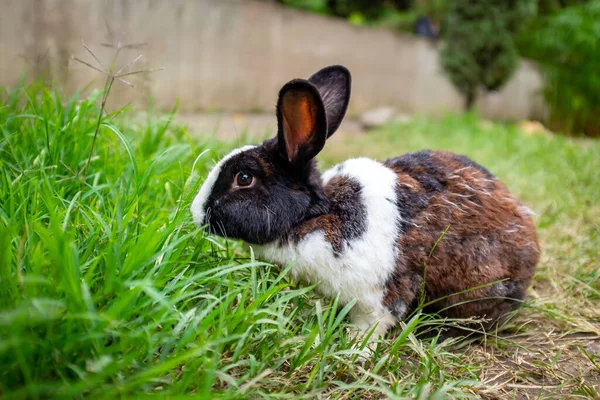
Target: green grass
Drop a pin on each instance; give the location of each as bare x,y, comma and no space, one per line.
107,290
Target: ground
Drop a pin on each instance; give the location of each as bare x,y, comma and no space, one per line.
108,290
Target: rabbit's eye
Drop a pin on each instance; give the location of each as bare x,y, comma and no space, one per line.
243,179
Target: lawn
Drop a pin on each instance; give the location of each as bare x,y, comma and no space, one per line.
107,289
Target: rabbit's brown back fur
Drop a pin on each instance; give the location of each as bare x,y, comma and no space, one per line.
491,237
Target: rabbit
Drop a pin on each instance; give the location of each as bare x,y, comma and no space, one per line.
384,234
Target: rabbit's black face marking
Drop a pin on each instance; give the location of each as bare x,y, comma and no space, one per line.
278,199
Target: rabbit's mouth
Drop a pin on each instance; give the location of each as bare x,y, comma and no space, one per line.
216,225
210,226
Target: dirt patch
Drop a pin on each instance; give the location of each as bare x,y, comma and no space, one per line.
539,363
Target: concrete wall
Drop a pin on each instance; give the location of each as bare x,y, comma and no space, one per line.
234,55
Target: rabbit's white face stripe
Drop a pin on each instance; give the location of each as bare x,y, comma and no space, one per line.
199,204
363,267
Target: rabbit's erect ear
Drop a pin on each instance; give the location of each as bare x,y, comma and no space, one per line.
334,84
302,124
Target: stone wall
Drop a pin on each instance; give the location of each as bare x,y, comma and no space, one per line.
234,55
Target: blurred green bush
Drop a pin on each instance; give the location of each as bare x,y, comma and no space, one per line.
566,44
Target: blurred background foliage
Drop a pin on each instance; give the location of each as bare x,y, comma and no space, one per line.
566,44
482,41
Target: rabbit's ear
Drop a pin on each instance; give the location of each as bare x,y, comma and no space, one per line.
301,120
334,84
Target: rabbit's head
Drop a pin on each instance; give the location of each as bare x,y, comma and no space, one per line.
258,193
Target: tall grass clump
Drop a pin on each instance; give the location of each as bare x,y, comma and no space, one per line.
107,290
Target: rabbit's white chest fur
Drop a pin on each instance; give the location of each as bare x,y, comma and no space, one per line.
364,264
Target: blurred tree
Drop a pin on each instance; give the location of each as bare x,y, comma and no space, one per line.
478,43
566,44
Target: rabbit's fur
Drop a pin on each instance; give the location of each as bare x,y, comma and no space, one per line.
367,230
